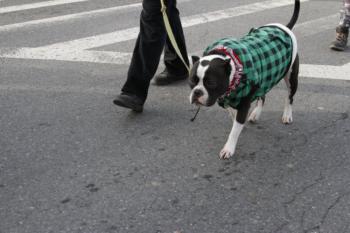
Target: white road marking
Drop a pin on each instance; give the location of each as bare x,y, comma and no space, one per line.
325,71
37,5
48,21
71,49
76,50
42,53
236,11
189,21
88,14
97,41
315,26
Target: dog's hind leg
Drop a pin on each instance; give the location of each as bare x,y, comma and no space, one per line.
255,114
232,113
291,80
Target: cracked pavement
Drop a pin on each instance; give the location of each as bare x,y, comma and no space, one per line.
72,162
158,172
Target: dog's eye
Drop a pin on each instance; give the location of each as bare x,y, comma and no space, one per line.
194,81
210,83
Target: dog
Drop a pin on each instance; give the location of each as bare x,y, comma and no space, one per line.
237,72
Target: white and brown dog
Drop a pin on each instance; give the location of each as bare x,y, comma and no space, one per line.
235,73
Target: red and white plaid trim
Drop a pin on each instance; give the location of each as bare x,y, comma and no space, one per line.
236,78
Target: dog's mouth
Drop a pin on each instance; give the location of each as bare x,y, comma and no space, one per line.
201,100
197,102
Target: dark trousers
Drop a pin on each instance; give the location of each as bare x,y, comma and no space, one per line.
151,41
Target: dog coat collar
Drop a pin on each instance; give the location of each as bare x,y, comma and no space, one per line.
235,77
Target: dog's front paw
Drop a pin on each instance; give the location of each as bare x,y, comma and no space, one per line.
226,152
287,119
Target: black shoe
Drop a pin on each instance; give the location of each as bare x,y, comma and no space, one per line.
165,78
131,101
341,39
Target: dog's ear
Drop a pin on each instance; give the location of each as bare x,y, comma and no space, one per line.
194,59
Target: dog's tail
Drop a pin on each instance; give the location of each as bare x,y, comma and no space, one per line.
295,16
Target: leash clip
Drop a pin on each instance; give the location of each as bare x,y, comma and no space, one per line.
163,7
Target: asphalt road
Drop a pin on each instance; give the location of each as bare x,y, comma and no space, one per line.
71,161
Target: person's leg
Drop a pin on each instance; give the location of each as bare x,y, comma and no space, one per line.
147,52
345,14
343,28
174,67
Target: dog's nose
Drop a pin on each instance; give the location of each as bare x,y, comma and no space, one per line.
197,93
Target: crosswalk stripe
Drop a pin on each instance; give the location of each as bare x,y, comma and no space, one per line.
131,33
63,18
216,15
97,41
70,55
315,26
71,49
236,11
325,71
37,5
76,50
56,19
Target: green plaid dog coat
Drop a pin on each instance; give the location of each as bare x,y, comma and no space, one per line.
265,55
